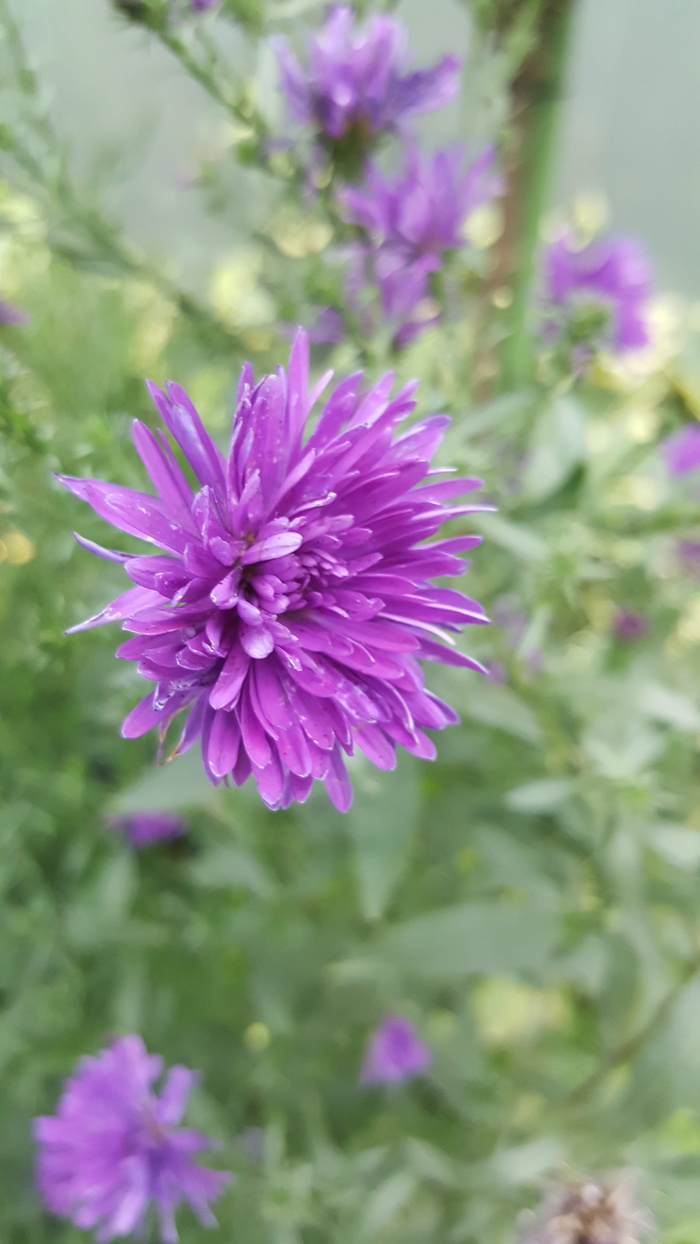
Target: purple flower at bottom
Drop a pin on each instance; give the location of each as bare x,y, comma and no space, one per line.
395,1053
629,624
11,314
292,606
355,82
114,1148
602,290
682,450
143,828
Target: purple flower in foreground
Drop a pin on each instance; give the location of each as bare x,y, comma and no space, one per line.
395,1053
11,314
629,624
422,210
355,83
599,293
114,1148
143,828
682,450
293,603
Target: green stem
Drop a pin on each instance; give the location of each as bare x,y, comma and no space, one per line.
535,95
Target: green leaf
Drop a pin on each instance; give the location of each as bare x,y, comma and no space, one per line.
556,448
541,796
180,783
499,706
226,867
473,937
381,823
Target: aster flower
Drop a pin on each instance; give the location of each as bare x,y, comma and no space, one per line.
143,828
355,87
682,451
422,210
629,624
11,314
292,604
114,1149
410,222
597,294
395,1053
688,552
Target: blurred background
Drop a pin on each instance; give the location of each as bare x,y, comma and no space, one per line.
529,902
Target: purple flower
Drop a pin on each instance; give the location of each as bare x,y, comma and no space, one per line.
395,1053
355,83
202,6
410,222
422,210
600,292
114,1148
293,603
682,450
689,554
628,624
143,828
11,314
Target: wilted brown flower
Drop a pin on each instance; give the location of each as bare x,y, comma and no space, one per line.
589,1212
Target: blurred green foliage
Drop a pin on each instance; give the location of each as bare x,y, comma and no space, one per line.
529,900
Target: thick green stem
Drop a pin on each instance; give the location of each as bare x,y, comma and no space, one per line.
535,96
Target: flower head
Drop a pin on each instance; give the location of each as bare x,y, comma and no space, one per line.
590,1212
143,828
598,294
629,624
409,223
682,451
422,210
114,1148
395,1053
11,314
355,86
293,602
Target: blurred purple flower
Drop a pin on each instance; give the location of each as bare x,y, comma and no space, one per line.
422,210
143,828
629,624
395,1053
294,604
356,81
11,314
114,1147
201,6
612,276
682,450
689,554
329,328
410,222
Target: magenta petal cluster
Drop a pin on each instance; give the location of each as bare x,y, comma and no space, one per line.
114,1150
292,604
356,78
682,451
612,273
421,211
409,223
395,1053
143,828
